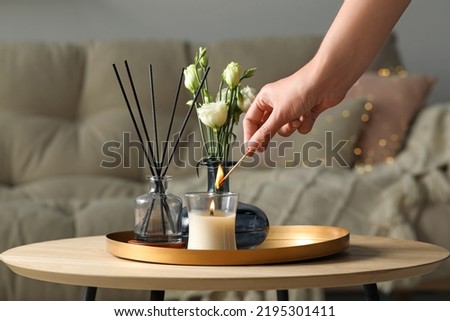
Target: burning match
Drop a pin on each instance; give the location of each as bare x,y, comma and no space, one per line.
220,178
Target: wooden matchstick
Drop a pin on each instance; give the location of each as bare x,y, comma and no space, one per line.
233,168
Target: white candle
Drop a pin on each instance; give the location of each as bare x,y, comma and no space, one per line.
212,232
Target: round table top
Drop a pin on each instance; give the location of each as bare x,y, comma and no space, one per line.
85,261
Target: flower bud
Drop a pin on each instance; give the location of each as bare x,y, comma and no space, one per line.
214,114
202,57
231,74
249,73
190,78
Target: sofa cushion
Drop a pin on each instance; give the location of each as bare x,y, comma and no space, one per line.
396,100
37,147
73,187
63,113
101,90
41,79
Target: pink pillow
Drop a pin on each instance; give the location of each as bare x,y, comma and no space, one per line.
395,102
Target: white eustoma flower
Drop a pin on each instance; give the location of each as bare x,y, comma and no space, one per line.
214,114
190,78
231,74
246,98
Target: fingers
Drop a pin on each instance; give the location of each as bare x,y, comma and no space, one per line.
289,128
308,119
264,119
258,125
256,115
306,123
261,124
303,125
262,136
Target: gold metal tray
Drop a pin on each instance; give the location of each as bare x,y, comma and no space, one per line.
283,244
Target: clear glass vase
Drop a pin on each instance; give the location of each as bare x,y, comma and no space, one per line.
252,224
158,214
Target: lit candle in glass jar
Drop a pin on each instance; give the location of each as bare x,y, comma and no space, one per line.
212,220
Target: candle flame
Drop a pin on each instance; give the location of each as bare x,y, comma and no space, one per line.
212,207
219,177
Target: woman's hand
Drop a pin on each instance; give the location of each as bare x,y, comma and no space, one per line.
293,103
288,105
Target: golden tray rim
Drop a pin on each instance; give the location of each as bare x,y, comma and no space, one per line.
283,244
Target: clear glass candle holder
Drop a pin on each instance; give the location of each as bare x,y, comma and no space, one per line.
212,220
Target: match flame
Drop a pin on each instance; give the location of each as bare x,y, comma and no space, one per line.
219,177
212,207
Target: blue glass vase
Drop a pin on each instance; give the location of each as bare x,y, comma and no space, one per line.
252,224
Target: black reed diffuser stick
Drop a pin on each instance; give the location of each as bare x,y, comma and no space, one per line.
157,165
156,168
155,123
133,118
183,126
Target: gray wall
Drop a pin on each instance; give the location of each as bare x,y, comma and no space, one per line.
424,30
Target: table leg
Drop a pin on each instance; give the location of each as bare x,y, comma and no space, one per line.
282,295
371,292
89,293
157,295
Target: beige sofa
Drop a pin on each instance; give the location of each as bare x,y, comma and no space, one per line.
60,106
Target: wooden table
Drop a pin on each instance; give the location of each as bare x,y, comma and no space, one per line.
85,262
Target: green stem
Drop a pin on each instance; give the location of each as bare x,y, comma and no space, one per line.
202,134
212,153
217,143
229,134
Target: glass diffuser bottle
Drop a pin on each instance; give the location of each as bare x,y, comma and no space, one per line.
158,214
